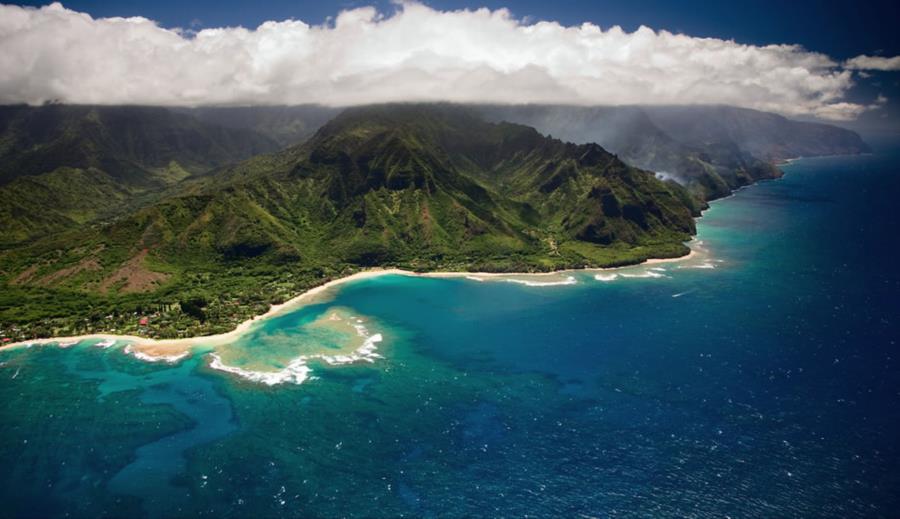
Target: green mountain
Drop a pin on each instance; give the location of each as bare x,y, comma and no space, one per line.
417,186
63,166
711,150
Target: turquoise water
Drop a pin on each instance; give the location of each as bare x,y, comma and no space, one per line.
767,386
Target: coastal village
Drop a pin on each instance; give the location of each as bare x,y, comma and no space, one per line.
187,317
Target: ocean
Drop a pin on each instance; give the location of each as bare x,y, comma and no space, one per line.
757,379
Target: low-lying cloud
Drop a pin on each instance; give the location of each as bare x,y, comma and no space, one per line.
415,54
873,63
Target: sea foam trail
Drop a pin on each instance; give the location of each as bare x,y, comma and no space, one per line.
570,280
366,352
169,359
297,371
651,273
648,274
704,265
708,264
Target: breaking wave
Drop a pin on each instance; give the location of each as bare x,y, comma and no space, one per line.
169,359
570,280
654,272
704,265
366,352
296,372
647,274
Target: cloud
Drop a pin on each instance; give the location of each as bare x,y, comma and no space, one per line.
415,54
873,63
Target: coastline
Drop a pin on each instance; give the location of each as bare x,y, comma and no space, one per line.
172,350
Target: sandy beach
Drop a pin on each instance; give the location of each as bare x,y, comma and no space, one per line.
175,349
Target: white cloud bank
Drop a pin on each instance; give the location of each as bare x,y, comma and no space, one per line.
416,54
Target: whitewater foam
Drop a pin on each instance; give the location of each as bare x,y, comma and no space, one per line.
704,265
570,280
606,277
170,359
108,343
366,352
647,274
297,371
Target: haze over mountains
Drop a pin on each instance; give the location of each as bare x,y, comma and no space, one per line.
157,204
62,166
710,149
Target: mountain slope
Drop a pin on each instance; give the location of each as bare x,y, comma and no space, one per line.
549,180
62,166
419,186
712,150
412,183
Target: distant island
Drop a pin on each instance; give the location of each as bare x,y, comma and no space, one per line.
168,223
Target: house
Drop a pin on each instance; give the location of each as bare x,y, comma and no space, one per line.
144,321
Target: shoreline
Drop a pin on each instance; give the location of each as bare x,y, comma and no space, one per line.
153,350
165,349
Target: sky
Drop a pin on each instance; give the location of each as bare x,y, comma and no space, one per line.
834,60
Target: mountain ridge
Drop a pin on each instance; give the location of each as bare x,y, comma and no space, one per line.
65,165
691,144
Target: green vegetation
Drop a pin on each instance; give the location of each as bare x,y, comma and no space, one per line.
711,150
422,187
62,166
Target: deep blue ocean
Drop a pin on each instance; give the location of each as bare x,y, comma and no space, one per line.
759,379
